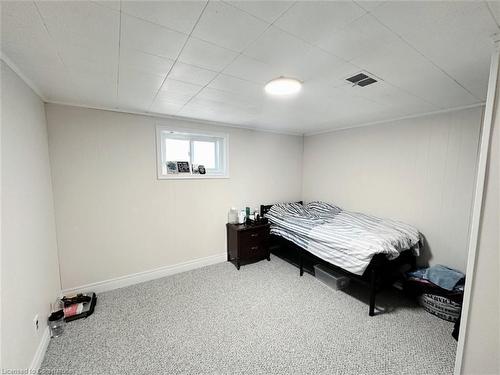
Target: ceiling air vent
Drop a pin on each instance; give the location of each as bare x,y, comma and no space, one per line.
361,79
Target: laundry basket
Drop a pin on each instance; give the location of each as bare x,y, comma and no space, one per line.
441,307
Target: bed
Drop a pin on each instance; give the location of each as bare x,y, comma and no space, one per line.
366,248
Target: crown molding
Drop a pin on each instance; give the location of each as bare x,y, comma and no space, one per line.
362,125
177,118
21,75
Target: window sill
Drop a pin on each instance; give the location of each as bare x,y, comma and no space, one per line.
192,177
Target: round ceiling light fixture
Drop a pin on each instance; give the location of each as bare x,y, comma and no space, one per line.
283,86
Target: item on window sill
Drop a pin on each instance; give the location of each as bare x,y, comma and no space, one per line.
198,169
183,167
172,167
247,212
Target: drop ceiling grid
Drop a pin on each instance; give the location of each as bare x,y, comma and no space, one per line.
269,25
227,79
34,36
359,63
243,52
85,74
364,13
428,58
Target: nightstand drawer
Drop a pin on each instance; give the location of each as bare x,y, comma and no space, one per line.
253,251
251,237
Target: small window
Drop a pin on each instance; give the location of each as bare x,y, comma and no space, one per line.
191,154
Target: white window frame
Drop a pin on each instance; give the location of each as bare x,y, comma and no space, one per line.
193,135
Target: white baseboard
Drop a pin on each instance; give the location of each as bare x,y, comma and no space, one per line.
40,351
140,277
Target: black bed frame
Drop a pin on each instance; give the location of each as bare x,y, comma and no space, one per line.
381,272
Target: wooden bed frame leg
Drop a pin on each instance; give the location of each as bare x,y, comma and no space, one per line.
373,291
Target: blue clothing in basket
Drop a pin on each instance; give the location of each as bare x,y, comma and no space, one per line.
442,276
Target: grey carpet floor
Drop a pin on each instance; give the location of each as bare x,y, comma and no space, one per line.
263,319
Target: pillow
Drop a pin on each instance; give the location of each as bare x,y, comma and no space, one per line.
323,208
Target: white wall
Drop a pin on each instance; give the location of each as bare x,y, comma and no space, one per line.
482,345
30,274
419,170
115,218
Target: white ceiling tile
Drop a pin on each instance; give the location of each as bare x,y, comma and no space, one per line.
85,34
415,16
393,63
311,20
434,86
134,101
96,91
252,70
24,38
238,86
191,74
266,10
177,15
206,55
150,38
111,4
71,21
165,108
313,64
401,102
369,5
276,47
108,67
55,84
230,99
136,92
495,10
81,52
177,92
228,26
216,111
465,24
89,82
134,80
144,62
365,33
402,67
473,72
286,55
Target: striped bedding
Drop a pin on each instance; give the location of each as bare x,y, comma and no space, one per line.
346,239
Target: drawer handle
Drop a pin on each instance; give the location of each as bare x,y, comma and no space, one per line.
254,235
254,248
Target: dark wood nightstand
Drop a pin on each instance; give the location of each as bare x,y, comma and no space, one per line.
247,243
